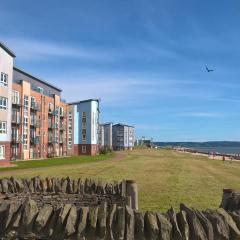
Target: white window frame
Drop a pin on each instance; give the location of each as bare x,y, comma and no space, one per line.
3,103
4,79
15,97
3,127
2,151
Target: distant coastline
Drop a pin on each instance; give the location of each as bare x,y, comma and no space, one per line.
219,147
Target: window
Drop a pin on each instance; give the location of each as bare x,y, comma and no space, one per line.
3,127
15,97
4,79
84,149
2,152
3,103
25,103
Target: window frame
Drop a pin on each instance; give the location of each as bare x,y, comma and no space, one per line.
4,79
2,152
3,130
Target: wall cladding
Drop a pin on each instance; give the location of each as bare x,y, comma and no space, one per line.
76,209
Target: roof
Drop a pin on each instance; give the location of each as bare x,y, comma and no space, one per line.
122,124
88,100
37,78
9,51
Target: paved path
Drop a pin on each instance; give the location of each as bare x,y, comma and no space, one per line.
117,157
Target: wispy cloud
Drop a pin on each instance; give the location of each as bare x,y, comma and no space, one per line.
31,49
201,114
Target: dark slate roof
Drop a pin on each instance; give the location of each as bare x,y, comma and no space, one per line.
88,100
37,78
9,51
121,124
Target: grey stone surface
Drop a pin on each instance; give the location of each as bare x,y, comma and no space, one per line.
151,225
139,225
165,227
176,233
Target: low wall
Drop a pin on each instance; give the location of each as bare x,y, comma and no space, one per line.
46,214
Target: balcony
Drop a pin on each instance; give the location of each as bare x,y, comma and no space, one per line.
15,119
55,140
34,107
50,125
50,140
62,127
55,113
61,114
35,124
16,139
34,140
16,103
55,126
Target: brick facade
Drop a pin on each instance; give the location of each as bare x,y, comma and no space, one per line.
91,149
6,161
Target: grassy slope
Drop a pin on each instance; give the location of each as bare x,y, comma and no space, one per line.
165,178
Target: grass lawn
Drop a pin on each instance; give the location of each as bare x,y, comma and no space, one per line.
55,162
165,178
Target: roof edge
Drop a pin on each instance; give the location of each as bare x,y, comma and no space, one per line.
82,101
36,78
8,50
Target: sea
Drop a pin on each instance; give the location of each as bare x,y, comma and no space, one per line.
220,149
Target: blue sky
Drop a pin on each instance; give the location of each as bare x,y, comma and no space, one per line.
145,59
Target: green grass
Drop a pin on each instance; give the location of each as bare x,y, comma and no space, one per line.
49,162
165,178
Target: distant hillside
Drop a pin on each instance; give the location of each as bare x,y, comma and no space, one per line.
200,144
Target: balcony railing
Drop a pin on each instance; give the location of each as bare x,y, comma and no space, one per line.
15,119
55,126
16,139
34,140
35,124
35,107
62,127
16,103
50,125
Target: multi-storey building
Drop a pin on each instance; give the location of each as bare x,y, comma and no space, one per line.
105,135
36,123
6,71
83,120
123,136
38,118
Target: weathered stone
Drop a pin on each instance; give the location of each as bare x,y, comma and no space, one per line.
100,188
92,222
36,181
110,221
49,185
220,227
18,184
64,185
102,220
183,224
11,188
71,222
4,183
75,186
165,227
151,225
206,224
176,233
139,225
233,230
119,226
31,186
87,186
196,229
69,185
129,223
109,188
29,213
81,186
59,225
236,217
43,185
3,211
43,217
93,187
57,185
9,218
82,223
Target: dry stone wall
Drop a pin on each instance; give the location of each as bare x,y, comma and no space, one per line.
30,211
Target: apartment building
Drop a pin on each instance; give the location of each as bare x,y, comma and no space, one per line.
6,71
105,135
83,121
38,118
122,136
36,123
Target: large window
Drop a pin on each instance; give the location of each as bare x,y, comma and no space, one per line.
84,149
15,97
3,127
2,152
4,79
3,103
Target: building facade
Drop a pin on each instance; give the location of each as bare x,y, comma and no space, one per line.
122,137
105,135
36,123
6,71
83,139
